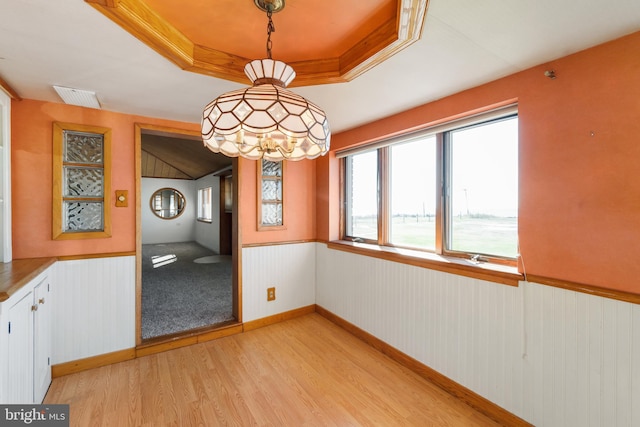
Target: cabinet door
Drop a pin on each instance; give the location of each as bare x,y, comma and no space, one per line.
41,341
20,352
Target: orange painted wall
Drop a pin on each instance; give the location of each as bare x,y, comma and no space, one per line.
328,197
579,194
32,177
579,134
299,204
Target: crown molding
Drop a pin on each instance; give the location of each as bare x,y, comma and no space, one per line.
137,18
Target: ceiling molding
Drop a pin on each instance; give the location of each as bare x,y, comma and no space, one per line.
137,18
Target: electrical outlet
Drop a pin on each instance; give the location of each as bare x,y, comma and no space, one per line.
271,294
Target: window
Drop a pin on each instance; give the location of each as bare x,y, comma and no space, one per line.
81,181
270,195
227,187
204,204
483,189
412,195
362,195
452,190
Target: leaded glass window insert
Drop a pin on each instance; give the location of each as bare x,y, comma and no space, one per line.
81,181
83,166
270,195
83,216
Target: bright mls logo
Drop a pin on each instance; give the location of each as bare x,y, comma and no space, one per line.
36,415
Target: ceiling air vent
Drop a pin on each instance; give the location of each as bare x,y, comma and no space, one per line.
79,97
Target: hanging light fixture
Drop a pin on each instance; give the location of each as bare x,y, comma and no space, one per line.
266,120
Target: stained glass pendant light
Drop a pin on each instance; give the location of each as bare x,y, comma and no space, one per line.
266,120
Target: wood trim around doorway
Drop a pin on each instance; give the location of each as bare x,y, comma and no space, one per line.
139,129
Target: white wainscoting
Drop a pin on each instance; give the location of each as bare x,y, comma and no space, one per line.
550,356
290,268
94,308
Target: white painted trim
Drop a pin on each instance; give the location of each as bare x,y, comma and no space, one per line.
5,178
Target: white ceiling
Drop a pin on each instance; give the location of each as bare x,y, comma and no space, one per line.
465,43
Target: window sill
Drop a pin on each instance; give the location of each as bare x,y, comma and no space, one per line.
208,221
484,271
271,227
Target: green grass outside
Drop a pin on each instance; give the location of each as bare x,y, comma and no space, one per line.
474,234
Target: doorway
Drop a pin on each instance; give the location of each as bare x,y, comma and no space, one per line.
187,279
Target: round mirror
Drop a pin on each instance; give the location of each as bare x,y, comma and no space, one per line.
167,203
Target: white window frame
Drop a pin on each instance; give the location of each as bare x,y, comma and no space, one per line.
5,177
205,213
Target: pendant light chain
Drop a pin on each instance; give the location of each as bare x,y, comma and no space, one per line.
270,29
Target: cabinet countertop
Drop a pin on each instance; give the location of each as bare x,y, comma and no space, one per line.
19,272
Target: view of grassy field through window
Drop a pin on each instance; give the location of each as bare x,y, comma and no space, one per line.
477,234
363,195
483,184
473,175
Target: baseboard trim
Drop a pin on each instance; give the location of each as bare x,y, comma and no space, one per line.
80,365
277,318
471,398
152,348
158,347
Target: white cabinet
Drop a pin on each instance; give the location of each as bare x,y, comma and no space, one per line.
25,343
19,387
41,340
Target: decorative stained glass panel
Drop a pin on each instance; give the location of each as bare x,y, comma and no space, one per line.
82,147
82,216
83,182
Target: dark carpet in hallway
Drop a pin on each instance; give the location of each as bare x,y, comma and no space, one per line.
180,294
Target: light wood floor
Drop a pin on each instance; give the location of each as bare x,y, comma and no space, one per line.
302,372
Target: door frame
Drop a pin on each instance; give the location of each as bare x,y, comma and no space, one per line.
236,253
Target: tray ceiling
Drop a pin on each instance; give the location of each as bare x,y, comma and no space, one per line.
327,41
